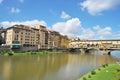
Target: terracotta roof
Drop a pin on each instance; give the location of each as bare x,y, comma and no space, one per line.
22,27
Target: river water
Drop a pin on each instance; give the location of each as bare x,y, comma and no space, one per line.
62,66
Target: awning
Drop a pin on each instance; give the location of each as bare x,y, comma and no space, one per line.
16,44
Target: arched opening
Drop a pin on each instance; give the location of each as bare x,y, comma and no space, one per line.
109,53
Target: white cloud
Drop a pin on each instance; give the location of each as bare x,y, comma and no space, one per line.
95,7
96,33
64,15
73,28
87,34
116,36
15,10
29,23
103,32
97,27
21,1
1,1
70,27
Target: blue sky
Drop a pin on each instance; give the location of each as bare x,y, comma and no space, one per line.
87,19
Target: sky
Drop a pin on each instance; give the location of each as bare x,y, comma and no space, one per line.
86,19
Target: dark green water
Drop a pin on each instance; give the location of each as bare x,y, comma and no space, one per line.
52,67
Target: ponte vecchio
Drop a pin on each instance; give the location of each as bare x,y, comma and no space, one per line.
107,45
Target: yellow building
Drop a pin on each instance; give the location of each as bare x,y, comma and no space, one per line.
64,42
54,39
24,35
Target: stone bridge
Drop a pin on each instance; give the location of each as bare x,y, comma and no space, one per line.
105,46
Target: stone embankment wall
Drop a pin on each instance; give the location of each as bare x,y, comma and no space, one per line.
24,49
4,49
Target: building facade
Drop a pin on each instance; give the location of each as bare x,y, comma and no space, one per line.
53,39
2,36
64,42
38,36
21,34
43,38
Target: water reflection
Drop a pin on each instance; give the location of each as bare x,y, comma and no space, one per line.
7,70
116,55
51,67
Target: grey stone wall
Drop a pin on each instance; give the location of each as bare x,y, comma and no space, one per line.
24,49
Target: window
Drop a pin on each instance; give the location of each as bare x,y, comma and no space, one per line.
17,36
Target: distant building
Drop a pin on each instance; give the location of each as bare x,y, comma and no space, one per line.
0,39
40,36
64,42
21,34
2,36
43,36
54,39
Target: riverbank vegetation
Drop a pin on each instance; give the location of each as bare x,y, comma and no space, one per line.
105,72
29,53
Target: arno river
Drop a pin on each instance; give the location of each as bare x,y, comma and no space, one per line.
62,66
